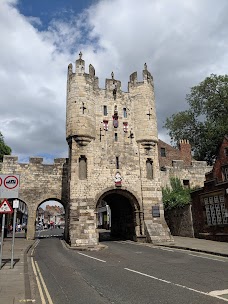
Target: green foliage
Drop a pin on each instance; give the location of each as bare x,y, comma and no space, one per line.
206,122
4,149
176,195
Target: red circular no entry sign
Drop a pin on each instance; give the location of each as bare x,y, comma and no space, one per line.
11,182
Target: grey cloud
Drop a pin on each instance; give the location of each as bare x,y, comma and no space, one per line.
182,42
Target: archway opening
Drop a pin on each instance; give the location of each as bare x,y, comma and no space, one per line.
116,216
50,219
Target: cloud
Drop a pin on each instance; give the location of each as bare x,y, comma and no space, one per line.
182,42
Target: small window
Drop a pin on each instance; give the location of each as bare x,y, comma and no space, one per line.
225,173
105,111
116,137
117,162
163,152
125,112
149,169
186,183
226,151
82,167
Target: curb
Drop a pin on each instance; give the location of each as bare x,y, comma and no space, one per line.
28,291
196,250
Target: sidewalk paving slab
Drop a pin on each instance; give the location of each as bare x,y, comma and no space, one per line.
199,245
13,283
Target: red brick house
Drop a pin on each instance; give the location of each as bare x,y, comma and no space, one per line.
210,203
167,153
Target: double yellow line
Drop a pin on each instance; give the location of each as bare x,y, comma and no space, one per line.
40,281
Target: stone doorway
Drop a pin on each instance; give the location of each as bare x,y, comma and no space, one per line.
117,212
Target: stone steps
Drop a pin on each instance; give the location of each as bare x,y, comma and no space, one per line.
157,232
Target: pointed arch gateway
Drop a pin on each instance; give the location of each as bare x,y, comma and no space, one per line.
119,211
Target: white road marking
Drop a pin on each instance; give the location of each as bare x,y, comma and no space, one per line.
88,256
204,257
178,285
218,292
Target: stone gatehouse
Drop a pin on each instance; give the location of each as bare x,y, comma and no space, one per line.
113,162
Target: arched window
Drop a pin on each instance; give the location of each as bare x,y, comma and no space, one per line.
82,167
149,169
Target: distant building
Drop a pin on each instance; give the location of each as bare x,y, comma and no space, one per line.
52,215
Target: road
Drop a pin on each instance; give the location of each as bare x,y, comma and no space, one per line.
47,233
128,272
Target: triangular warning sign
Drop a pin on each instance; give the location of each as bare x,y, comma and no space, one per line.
5,207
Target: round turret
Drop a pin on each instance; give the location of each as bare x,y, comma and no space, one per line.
80,113
143,101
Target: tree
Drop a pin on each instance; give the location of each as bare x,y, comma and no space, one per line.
176,195
4,149
206,122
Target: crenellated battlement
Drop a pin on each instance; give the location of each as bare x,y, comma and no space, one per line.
111,84
9,160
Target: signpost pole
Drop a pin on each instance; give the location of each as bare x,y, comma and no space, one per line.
2,237
15,205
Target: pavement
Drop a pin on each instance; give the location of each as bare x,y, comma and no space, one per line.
199,245
15,283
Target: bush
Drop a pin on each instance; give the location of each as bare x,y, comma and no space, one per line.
176,195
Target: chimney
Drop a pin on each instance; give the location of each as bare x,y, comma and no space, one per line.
185,151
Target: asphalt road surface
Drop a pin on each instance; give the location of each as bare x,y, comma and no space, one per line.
128,272
47,233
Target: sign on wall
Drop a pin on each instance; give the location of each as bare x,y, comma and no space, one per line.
9,185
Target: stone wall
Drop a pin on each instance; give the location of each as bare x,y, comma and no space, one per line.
179,221
194,173
39,182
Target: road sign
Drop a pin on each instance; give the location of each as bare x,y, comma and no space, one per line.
5,207
15,203
9,186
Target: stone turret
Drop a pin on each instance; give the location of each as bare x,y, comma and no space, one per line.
142,96
80,103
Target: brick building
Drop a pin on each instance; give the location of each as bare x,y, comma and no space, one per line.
178,162
210,203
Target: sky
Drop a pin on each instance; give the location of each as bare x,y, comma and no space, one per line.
182,42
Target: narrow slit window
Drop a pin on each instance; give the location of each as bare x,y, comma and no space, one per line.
125,112
105,110
149,169
82,167
117,162
116,137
